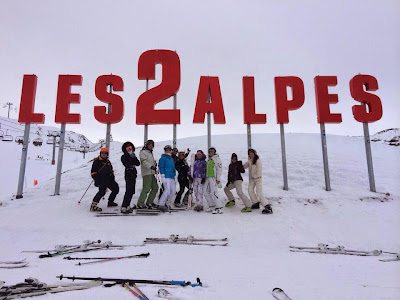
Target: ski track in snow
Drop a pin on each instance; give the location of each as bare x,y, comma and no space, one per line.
257,258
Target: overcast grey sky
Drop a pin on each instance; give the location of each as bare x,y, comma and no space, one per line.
229,39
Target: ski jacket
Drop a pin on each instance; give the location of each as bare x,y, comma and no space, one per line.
255,170
130,161
182,167
102,171
234,171
147,161
214,167
167,166
198,169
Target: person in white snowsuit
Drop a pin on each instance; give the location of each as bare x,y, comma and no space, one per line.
255,168
213,178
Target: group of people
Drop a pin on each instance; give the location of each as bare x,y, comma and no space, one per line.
201,178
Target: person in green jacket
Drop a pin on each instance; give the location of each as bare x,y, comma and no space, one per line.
148,168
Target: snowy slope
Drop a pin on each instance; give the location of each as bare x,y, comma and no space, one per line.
389,136
257,258
39,157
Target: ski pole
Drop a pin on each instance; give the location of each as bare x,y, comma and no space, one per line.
141,293
132,291
79,202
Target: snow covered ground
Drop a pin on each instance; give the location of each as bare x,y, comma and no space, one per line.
257,258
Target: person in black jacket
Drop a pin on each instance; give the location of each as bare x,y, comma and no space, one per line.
182,167
130,161
235,181
103,174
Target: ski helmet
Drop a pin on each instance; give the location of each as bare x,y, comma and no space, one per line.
104,150
168,147
212,149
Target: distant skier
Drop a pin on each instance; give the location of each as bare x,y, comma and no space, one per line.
148,168
130,161
213,178
182,167
103,174
255,169
167,170
197,174
235,181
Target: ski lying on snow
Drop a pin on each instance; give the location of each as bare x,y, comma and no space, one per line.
323,248
173,238
279,294
185,243
32,290
397,258
13,265
12,262
118,214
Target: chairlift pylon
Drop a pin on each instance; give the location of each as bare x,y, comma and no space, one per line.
7,137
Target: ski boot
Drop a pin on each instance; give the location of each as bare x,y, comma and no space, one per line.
230,203
126,210
246,209
267,209
111,204
163,208
151,206
95,208
198,207
218,210
144,206
256,206
210,209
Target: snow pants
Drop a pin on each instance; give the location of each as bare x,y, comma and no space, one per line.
169,191
259,197
183,183
198,190
210,189
237,184
130,189
114,188
150,187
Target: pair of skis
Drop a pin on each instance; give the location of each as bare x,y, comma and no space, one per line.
104,259
325,249
13,264
32,287
190,240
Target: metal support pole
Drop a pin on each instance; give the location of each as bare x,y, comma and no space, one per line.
53,159
174,126
60,159
369,158
248,136
146,126
325,157
283,149
23,161
209,122
108,132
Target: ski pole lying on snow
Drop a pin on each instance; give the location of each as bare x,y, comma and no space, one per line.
135,281
104,259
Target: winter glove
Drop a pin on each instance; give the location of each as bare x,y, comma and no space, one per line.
153,168
227,184
190,178
203,180
132,155
255,176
